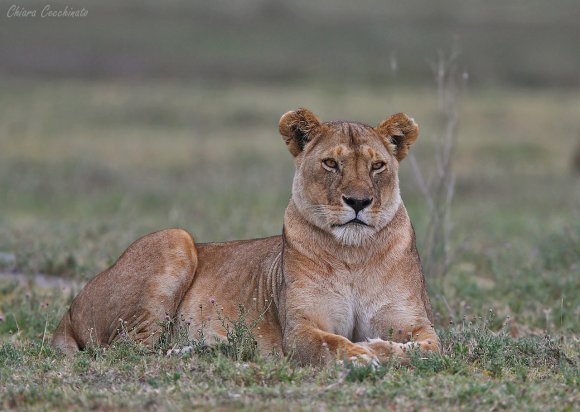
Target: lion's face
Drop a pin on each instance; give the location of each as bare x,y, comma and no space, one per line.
346,179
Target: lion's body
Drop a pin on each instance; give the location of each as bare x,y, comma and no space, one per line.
325,288
236,273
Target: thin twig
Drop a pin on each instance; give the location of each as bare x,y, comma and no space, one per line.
421,181
439,189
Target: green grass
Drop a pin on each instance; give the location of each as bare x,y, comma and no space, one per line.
87,167
480,368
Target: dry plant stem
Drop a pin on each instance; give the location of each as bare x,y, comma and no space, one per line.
438,190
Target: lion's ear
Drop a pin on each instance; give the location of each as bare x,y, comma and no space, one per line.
296,128
400,132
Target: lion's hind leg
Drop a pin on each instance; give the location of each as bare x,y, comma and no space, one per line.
135,296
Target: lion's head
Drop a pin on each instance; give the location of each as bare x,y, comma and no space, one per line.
346,181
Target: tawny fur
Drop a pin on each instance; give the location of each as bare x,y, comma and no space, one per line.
325,289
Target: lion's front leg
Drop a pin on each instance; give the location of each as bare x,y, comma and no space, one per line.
401,329
425,337
385,350
309,344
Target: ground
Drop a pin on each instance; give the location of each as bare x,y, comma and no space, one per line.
86,167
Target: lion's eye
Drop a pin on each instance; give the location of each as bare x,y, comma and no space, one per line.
331,163
378,165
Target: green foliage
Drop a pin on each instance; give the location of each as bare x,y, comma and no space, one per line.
9,355
361,373
492,352
240,344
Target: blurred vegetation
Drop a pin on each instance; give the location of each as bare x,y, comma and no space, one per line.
522,43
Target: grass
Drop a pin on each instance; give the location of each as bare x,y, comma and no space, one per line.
480,368
86,167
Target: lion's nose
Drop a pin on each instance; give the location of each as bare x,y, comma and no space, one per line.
357,204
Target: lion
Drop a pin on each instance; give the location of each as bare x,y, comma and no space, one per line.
342,282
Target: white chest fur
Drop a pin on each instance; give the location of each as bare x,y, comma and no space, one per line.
356,299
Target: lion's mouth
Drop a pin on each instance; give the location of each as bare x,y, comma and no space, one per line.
354,221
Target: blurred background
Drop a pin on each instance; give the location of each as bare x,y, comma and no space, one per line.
145,115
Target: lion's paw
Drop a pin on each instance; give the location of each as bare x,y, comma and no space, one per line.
364,360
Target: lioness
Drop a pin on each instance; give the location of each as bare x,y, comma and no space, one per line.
343,280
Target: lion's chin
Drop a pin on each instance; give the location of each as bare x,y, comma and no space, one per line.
353,234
